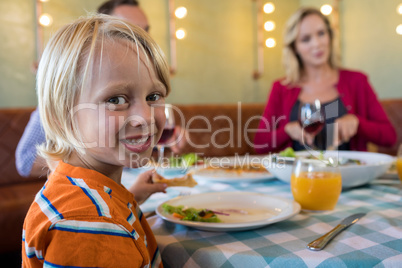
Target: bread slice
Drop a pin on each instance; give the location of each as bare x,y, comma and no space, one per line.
185,181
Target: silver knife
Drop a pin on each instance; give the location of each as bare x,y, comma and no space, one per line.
321,242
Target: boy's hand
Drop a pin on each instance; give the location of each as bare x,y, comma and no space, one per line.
143,187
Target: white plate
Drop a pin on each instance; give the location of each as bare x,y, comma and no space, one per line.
375,165
262,210
222,175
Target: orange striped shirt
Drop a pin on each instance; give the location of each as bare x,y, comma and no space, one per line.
82,218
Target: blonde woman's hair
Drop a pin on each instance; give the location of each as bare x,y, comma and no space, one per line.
65,66
291,61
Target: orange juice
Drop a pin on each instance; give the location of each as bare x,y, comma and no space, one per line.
318,190
399,167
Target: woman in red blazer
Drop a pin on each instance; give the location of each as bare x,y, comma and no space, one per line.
312,72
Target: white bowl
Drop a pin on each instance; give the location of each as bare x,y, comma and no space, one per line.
375,165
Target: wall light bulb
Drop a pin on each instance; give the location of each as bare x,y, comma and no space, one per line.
180,34
180,12
270,42
269,8
399,29
269,26
399,9
326,9
45,20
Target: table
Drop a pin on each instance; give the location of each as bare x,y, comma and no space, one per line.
375,241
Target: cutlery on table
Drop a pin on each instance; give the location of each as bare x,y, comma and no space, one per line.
277,159
321,242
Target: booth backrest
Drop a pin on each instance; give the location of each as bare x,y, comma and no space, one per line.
220,130
393,108
12,125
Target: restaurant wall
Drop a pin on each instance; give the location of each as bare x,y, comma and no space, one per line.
216,60
370,43
17,49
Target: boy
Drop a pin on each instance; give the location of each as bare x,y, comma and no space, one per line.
27,161
101,87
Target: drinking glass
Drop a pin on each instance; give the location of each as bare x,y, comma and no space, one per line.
312,117
167,132
316,185
399,162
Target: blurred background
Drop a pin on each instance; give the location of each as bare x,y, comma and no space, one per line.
218,56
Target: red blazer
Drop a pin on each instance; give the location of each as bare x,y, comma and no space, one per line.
356,94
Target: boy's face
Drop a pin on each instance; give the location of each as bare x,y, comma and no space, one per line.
120,113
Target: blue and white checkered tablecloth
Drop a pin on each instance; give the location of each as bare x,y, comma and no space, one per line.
374,241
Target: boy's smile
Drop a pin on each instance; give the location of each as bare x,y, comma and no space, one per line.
137,144
125,113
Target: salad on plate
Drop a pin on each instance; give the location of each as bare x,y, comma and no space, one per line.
191,214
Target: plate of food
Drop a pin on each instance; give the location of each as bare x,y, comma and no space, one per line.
234,169
357,168
227,211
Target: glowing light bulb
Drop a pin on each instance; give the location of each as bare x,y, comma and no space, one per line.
269,26
45,20
399,9
326,9
270,42
180,34
44,0
269,8
399,29
180,12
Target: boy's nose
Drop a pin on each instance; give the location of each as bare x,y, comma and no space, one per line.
141,115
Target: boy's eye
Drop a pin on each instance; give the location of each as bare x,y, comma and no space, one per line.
153,97
116,100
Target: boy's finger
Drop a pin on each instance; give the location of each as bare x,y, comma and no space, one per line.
158,187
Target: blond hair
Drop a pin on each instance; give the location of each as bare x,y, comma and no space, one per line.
291,61
64,68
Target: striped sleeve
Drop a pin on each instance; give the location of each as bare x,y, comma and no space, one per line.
85,244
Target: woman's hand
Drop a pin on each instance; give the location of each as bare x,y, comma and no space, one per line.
294,130
347,127
143,187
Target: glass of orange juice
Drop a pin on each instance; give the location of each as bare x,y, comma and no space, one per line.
316,185
399,162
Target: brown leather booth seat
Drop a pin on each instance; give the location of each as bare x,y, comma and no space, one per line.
219,130
214,130
393,108
16,192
